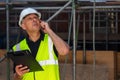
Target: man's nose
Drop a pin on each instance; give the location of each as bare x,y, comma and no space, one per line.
34,19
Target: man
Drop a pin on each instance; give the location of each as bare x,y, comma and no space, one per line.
44,45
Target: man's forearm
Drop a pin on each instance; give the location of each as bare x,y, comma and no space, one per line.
61,46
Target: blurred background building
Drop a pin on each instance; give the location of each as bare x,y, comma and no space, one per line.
106,27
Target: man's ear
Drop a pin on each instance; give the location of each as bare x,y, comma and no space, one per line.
23,26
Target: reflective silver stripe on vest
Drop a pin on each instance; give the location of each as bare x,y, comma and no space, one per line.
48,62
51,60
50,46
18,47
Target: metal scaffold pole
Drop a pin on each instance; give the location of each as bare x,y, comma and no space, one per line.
74,40
7,38
94,50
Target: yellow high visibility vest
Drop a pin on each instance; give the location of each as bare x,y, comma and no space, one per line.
46,58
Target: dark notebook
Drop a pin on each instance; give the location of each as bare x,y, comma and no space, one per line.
25,58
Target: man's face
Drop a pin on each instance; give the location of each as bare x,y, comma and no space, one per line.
31,23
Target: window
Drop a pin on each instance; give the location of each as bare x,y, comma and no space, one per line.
105,21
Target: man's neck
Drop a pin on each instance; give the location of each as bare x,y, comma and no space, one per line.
34,36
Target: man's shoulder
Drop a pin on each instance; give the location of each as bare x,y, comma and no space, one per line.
21,41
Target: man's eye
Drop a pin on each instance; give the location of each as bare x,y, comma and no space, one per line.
36,17
29,18
32,18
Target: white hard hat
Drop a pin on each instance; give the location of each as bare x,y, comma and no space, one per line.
26,12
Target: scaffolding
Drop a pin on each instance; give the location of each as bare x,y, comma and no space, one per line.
74,7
